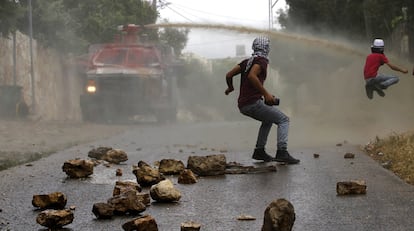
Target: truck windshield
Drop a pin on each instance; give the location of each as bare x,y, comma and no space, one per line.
132,57
142,57
112,56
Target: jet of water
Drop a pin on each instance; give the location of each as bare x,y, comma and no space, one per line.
272,34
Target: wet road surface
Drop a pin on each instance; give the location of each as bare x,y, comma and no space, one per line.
216,202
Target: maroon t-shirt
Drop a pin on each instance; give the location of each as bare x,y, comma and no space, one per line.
248,93
372,64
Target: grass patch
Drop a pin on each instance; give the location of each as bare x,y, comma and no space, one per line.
396,153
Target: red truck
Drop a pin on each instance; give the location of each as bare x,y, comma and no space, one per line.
129,78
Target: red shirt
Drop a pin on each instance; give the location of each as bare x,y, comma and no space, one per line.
372,64
248,93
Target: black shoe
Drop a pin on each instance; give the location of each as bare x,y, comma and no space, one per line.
380,92
260,154
369,91
284,156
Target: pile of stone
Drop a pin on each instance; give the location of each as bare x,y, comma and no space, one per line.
53,214
128,198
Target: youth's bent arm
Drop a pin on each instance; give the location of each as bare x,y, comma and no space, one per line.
229,78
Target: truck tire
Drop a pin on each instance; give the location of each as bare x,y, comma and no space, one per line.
90,109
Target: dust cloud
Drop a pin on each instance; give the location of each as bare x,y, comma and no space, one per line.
320,83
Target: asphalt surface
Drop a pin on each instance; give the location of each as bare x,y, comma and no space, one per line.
216,202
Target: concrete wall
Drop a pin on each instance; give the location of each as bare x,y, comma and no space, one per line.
57,85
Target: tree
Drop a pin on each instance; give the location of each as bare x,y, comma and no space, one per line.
354,19
98,19
53,26
175,37
10,12
70,26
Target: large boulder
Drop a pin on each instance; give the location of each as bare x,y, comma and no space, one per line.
211,165
123,186
55,219
171,166
55,200
98,153
115,156
147,175
279,216
165,191
78,168
128,202
103,210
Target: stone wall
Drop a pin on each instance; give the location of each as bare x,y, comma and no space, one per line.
57,85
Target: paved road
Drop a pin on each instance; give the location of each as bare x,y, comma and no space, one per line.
216,202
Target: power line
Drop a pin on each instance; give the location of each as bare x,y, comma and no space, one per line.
167,6
179,9
213,14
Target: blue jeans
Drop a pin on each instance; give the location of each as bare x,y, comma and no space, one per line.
268,115
379,83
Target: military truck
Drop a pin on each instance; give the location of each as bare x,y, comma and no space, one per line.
129,78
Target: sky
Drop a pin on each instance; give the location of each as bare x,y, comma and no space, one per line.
220,43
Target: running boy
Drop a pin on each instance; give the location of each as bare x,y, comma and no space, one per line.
373,80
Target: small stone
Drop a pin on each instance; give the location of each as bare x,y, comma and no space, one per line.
187,177
349,155
145,222
315,155
246,218
190,226
351,187
386,164
108,165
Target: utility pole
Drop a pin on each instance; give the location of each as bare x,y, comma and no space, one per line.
367,19
31,57
14,59
271,5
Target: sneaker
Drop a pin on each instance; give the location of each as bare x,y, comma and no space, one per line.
284,156
369,91
260,154
380,92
